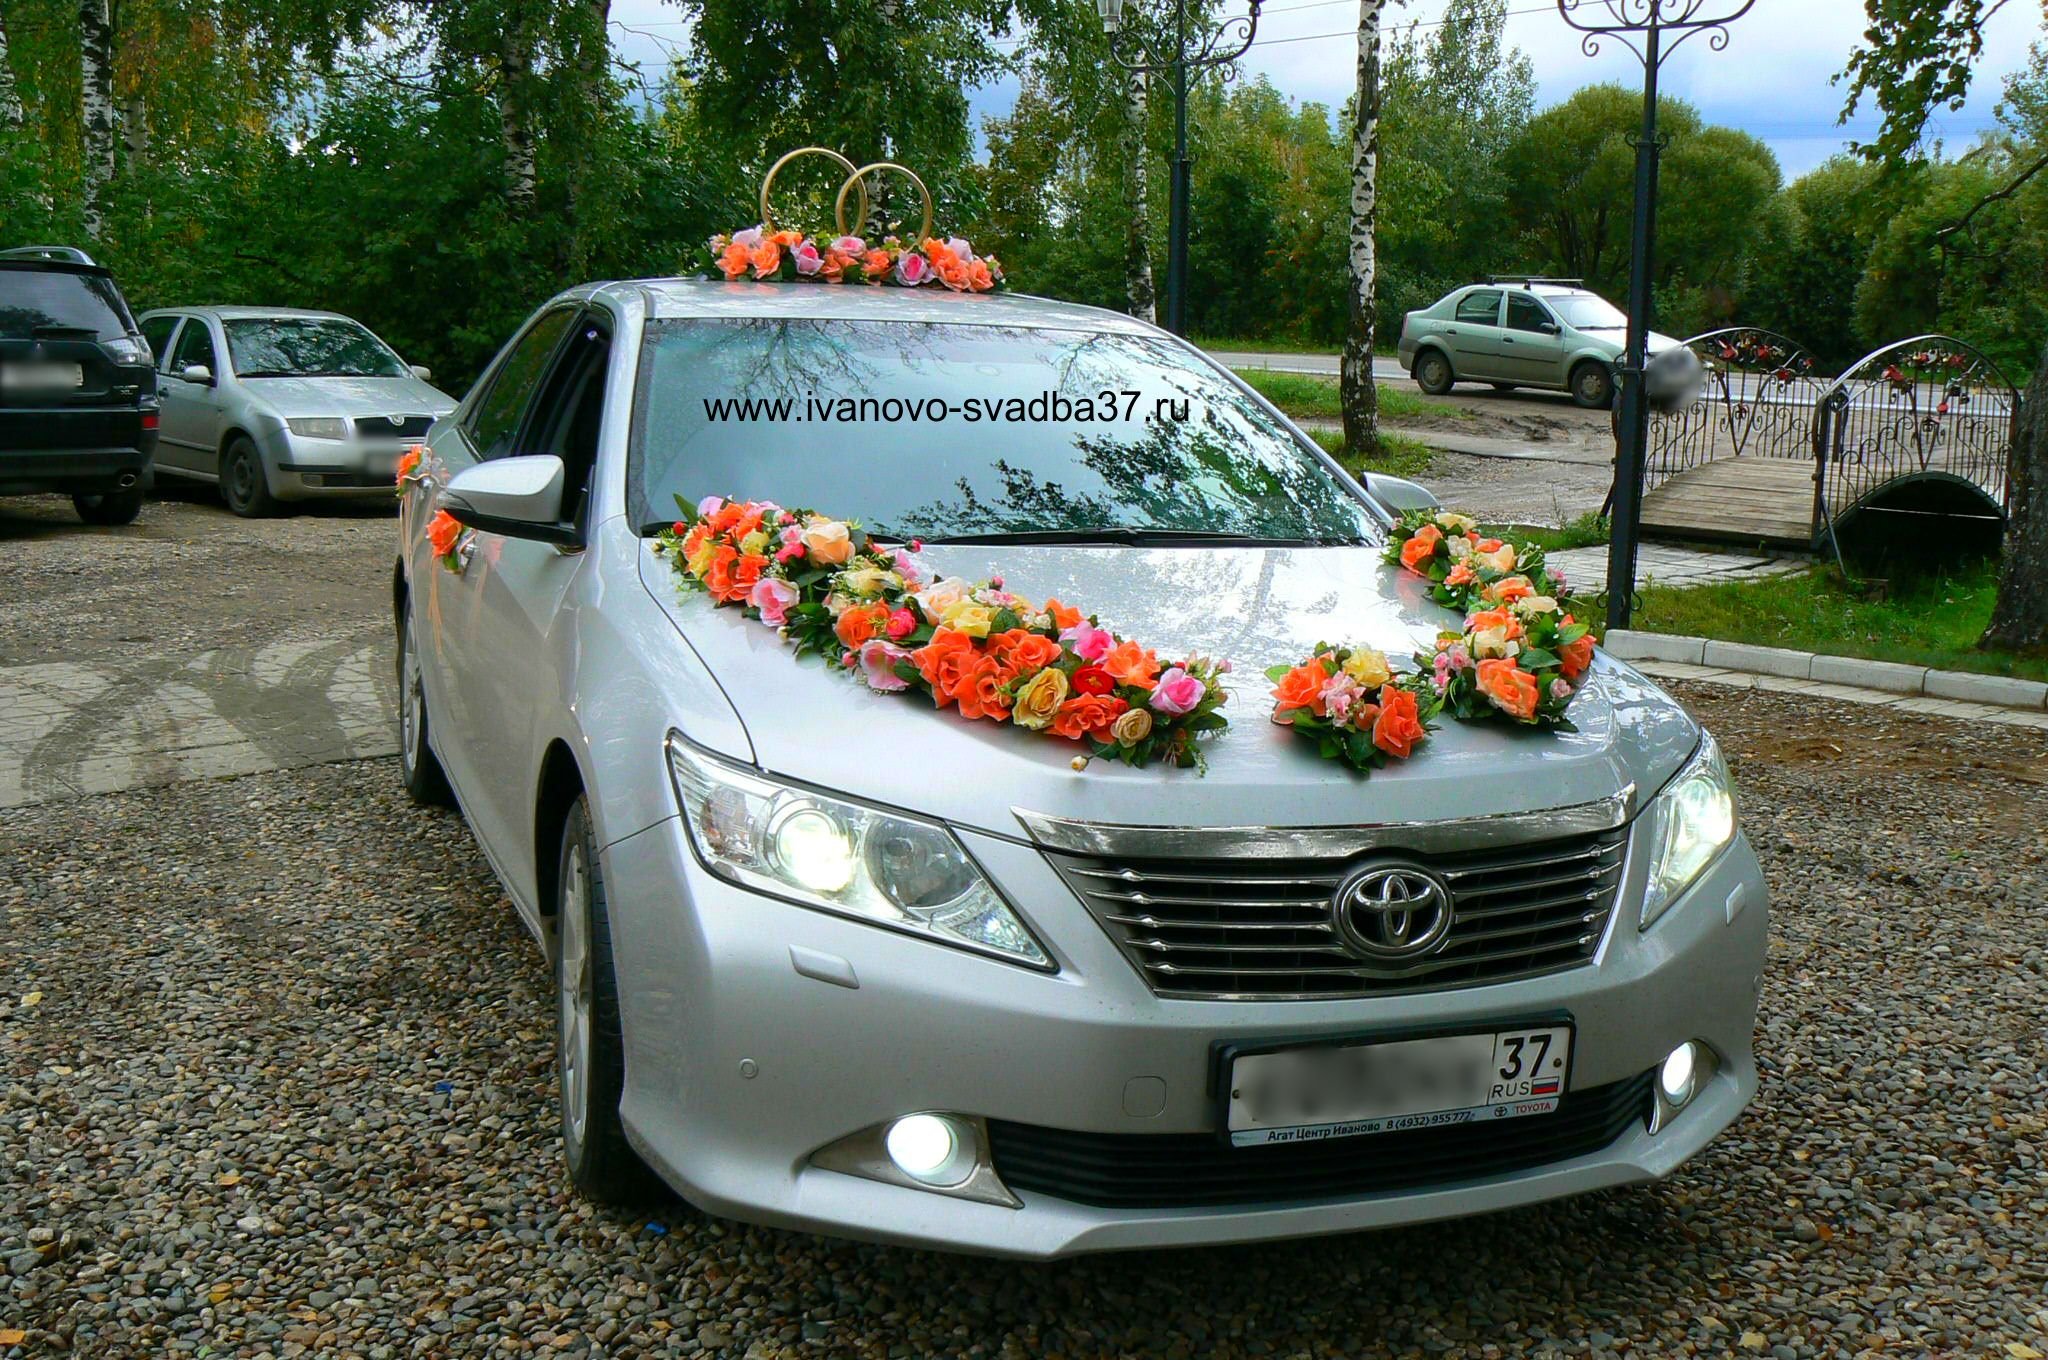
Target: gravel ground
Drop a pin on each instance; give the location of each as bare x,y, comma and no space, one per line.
275,1079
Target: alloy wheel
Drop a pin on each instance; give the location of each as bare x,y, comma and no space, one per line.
572,972
412,699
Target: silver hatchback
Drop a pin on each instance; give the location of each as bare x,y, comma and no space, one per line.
276,404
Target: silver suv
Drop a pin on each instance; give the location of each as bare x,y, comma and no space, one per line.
276,404
1520,332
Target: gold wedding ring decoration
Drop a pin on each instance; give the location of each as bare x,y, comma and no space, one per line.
855,182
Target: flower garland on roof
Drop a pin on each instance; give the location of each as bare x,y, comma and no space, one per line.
793,257
867,608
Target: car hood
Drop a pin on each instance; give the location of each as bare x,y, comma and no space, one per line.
350,396
1256,606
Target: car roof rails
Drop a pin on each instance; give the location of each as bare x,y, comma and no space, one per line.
1526,279
65,254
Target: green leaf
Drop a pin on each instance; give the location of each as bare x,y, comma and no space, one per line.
1278,673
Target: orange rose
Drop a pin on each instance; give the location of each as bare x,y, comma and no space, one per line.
1399,724
1021,650
409,460
980,693
1461,575
978,278
1421,547
1130,664
857,625
943,663
1302,687
719,578
1576,656
747,573
875,263
1063,615
1509,589
1087,715
766,258
1488,544
442,531
1508,688
726,516
733,263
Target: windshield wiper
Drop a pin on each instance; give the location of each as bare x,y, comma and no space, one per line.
1139,537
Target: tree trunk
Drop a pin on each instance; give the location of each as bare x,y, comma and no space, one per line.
1359,397
593,59
96,109
1138,287
10,94
2019,620
515,75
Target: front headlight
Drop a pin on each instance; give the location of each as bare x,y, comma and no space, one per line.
810,848
1690,822
318,427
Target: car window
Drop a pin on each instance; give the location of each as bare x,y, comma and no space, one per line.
308,347
1526,313
494,424
980,428
157,331
1480,308
195,346
35,302
1591,312
569,412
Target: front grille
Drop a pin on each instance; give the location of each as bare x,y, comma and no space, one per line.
1245,929
1189,1170
380,427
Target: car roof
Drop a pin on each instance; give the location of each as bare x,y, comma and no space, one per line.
247,313
675,299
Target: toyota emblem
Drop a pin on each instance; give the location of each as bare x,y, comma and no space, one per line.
396,420
1392,911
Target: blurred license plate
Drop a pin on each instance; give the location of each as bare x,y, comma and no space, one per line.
41,377
1301,1095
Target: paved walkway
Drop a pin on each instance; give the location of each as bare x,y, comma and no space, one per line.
70,728
1665,564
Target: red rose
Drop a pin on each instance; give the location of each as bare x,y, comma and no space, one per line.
1093,680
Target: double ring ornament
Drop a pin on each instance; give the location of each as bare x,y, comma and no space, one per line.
855,183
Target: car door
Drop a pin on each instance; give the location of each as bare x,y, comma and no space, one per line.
455,616
1532,346
188,437
1474,332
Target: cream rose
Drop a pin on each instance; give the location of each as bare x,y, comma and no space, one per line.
1500,559
869,580
828,541
1369,668
756,543
970,618
941,595
1039,699
1452,522
1131,727
1536,604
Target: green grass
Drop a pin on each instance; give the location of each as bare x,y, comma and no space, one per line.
1583,532
1304,395
1267,344
1400,456
1928,619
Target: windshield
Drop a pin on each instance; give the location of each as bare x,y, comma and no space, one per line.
42,300
308,347
1589,312
930,430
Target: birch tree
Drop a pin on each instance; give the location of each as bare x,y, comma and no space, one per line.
96,109
10,94
1138,251
1359,396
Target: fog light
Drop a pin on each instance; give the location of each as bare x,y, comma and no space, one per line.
928,1149
1675,1078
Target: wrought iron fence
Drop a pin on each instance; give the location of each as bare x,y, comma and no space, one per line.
1929,408
1757,401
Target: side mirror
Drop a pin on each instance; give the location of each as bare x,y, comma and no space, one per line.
422,372
515,497
197,373
1549,327
1399,494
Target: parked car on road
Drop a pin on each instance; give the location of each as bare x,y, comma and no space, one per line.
276,404
829,959
1520,332
78,405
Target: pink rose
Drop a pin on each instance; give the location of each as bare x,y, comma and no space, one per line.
1461,660
1177,692
1089,642
710,506
911,270
773,598
878,665
902,623
1340,692
749,238
849,245
961,250
1560,689
907,569
808,259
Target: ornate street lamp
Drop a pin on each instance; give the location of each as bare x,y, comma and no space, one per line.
1189,52
1653,30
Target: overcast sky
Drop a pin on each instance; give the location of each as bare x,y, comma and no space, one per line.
1772,81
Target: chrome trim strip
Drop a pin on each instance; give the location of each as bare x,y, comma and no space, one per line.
1121,840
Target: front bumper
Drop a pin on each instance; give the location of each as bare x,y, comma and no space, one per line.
744,1056
332,469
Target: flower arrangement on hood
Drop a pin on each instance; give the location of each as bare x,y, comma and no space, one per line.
1520,657
1349,701
787,256
869,608
1447,550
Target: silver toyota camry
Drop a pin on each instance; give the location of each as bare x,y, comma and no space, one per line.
834,959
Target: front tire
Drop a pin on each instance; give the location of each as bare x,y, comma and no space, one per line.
1433,373
426,782
1593,386
590,1051
242,483
109,508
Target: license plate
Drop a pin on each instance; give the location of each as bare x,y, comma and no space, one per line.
1302,1095
41,377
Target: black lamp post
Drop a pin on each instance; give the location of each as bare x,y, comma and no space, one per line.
1661,26
1189,52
